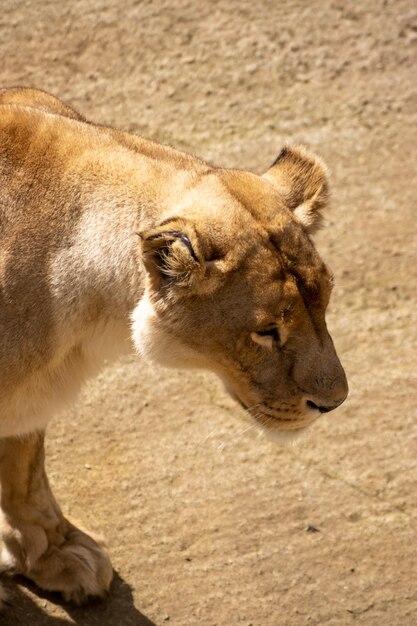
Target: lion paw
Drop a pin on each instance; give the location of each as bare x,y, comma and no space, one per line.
79,568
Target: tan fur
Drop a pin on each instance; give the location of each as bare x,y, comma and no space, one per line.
106,237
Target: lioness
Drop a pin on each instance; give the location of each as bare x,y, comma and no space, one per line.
107,238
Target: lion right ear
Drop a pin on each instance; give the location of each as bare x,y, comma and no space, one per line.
302,179
170,254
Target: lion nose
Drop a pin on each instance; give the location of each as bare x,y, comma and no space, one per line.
323,409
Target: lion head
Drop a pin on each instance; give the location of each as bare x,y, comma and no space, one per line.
234,284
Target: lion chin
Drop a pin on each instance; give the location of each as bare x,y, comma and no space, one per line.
284,437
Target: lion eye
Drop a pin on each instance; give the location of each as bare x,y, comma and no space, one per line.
266,337
271,332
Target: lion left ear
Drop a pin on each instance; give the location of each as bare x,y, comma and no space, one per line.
302,179
170,254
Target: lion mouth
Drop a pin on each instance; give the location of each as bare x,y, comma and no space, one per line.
278,420
273,422
271,419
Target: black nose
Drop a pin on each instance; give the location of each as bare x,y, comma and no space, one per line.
322,409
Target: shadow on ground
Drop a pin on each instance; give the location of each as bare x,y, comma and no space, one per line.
118,609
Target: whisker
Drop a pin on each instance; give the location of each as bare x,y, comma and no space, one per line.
237,436
203,441
253,406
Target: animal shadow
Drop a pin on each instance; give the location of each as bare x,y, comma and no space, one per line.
117,609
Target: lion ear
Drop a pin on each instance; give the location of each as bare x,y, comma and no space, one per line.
302,178
170,254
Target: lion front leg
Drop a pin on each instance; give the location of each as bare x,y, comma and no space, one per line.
38,541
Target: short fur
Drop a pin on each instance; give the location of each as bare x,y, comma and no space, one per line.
106,237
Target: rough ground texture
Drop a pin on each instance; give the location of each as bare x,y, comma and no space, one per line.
207,525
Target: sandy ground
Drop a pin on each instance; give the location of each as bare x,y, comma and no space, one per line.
206,524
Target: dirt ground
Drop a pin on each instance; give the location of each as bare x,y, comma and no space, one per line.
208,525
